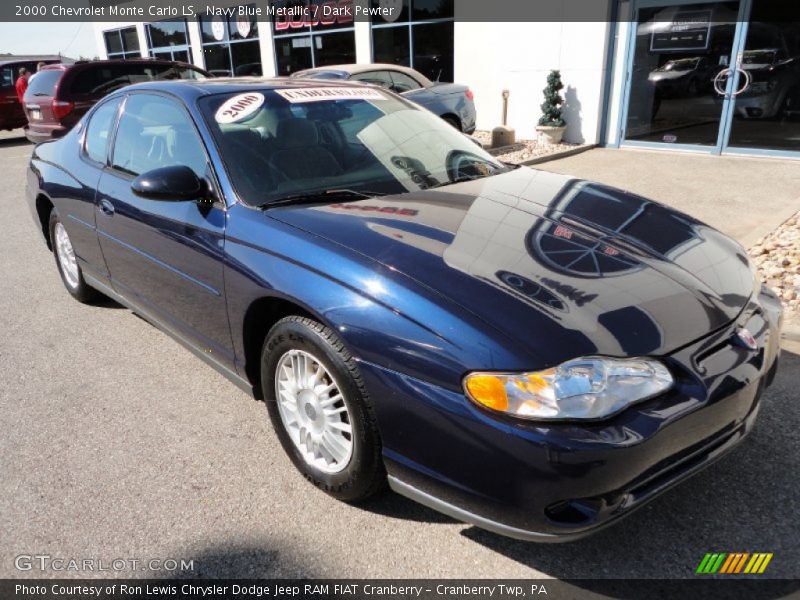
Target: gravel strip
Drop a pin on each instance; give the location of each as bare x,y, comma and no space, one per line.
530,148
777,257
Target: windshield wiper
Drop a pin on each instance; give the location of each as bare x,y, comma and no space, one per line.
321,196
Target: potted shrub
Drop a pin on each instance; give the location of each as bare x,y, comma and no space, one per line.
551,125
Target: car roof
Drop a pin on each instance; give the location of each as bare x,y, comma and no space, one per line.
353,69
189,89
6,60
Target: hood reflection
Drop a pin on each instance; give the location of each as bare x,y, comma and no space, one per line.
626,275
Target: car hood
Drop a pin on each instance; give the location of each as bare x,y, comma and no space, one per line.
563,267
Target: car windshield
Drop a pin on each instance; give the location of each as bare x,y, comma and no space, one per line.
302,141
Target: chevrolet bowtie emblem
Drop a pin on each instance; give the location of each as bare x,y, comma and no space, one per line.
746,338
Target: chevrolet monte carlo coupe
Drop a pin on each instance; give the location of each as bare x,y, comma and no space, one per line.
530,353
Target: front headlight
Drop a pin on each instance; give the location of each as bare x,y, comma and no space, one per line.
583,388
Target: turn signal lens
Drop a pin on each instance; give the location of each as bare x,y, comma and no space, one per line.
584,388
488,390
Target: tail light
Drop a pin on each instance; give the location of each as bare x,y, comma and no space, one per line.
470,96
61,108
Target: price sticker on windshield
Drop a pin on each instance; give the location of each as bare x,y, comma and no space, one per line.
239,107
300,95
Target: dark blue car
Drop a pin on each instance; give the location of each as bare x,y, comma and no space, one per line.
533,354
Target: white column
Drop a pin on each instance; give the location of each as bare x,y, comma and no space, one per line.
363,36
195,41
267,48
144,49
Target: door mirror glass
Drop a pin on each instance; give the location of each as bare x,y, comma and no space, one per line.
175,183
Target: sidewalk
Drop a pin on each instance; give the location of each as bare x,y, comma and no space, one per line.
747,198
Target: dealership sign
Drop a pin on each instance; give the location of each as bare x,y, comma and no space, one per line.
689,30
332,12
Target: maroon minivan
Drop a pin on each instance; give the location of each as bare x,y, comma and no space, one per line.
59,95
11,114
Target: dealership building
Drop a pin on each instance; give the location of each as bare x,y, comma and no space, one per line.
711,77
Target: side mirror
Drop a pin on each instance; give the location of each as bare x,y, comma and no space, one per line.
174,183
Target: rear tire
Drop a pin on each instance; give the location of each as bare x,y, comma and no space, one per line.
453,122
67,263
325,421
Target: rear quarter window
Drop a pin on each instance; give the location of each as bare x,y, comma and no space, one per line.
43,83
104,79
6,77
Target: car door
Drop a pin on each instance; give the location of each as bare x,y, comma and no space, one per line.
78,206
165,256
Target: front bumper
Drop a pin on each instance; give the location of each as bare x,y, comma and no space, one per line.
561,481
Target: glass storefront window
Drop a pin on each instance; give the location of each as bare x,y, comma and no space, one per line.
217,60
246,59
391,45
167,33
113,42
293,54
334,49
403,17
766,114
169,40
426,10
679,53
433,50
421,37
231,48
122,43
306,37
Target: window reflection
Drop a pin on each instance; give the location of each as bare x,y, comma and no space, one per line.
678,53
767,112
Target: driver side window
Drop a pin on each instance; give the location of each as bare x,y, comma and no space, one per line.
403,83
381,78
154,132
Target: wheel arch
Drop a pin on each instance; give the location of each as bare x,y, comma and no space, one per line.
259,318
44,206
453,119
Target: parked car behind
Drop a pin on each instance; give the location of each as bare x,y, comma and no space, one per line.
60,94
453,102
11,114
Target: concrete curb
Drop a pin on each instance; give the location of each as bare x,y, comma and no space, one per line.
504,149
557,155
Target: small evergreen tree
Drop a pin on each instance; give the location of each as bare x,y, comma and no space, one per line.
551,107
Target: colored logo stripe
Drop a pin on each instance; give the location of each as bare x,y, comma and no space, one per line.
734,562
758,563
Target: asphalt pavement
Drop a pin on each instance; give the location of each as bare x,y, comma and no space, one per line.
117,443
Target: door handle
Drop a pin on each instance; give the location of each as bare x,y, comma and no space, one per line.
720,81
106,207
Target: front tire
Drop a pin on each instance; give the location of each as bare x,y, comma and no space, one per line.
320,409
67,262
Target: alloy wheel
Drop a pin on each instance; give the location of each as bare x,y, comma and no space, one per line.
66,256
313,411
